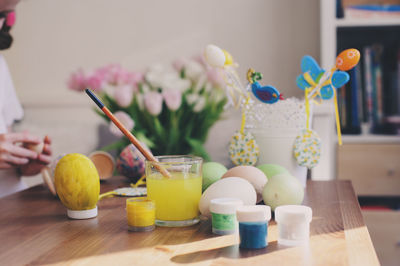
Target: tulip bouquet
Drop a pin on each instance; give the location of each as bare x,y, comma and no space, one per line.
168,108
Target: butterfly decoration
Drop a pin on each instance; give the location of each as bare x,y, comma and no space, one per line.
266,94
312,74
316,82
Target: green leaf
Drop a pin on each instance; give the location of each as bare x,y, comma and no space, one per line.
198,149
117,145
101,114
142,138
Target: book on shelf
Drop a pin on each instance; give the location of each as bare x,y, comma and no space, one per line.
369,97
368,84
370,10
397,83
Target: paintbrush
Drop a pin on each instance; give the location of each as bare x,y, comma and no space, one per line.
127,133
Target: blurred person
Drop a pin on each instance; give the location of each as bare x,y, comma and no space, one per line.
15,159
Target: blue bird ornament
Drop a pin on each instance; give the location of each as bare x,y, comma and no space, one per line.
266,94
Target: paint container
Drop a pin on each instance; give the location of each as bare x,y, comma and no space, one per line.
253,226
104,163
141,214
293,224
223,213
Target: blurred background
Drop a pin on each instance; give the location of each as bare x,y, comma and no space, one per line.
53,38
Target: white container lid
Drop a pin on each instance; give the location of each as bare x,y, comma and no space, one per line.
83,214
293,214
254,213
225,205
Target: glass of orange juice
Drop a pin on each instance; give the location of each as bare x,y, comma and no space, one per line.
176,197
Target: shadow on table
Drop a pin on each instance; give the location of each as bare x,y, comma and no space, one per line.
231,252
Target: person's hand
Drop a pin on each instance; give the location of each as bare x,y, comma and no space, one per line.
12,154
34,167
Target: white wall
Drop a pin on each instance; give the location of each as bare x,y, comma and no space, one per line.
54,37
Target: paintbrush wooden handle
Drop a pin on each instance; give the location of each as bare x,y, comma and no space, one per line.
128,134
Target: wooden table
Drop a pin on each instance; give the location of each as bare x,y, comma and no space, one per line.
34,229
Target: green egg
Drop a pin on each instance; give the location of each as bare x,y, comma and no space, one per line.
283,189
272,169
212,172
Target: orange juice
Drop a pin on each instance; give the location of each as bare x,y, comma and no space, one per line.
177,198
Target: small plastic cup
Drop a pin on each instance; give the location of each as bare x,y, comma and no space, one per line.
253,226
293,224
141,214
223,213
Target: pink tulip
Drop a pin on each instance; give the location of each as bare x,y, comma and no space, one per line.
173,99
105,72
123,95
125,119
216,77
77,81
116,75
201,59
135,78
119,76
96,81
178,64
153,102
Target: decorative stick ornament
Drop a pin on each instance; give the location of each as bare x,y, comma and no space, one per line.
320,84
221,58
266,94
323,84
243,148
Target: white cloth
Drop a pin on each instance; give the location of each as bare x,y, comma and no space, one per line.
10,110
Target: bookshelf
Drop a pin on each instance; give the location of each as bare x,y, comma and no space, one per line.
330,24
370,159
371,138
337,34
363,22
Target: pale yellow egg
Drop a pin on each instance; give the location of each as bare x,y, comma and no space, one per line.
77,182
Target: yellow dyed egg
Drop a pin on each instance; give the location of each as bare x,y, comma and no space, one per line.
78,185
347,59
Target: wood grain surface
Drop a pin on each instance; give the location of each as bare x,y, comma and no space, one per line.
35,230
373,169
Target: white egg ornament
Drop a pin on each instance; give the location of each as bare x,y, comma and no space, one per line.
255,176
214,56
230,187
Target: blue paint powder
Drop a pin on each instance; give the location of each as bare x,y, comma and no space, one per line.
253,234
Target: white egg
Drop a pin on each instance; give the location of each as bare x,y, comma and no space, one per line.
214,56
230,187
252,174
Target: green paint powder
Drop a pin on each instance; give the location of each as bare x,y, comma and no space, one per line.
223,222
